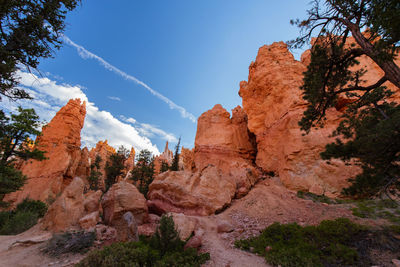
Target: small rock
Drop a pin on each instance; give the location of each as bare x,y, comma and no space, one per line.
224,227
194,242
268,248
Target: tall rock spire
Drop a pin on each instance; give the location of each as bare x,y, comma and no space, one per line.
61,139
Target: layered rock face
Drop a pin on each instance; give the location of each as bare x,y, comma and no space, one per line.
227,144
61,140
66,211
272,100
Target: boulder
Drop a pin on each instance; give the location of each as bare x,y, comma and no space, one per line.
127,229
185,225
121,198
89,221
66,211
199,193
105,234
92,201
224,227
194,242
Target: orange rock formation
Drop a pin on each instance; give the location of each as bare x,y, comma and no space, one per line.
272,100
61,140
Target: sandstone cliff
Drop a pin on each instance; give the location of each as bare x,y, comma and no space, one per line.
61,140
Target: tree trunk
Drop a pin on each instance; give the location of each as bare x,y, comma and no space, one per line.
392,71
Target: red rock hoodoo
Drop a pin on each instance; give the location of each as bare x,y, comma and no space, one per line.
61,140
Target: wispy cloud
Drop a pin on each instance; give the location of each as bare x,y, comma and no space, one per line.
115,98
50,96
150,131
85,54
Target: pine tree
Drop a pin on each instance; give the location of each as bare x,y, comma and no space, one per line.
30,30
115,166
15,144
175,160
369,132
143,172
95,173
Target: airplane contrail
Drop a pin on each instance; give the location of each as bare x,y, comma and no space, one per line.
85,54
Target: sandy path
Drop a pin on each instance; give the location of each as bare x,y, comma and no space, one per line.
30,254
222,252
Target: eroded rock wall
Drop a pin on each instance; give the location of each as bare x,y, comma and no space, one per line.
61,140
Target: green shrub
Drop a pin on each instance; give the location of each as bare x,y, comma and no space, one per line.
164,248
19,222
384,209
315,197
70,242
330,243
22,218
35,206
4,217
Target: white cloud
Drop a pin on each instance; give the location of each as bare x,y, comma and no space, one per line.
85,54
99,124
149,130
115,98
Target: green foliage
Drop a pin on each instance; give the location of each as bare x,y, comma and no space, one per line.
315,198
95,174
175,160
143,172
35,206
19,222
164,166
22,218
369,132
332,243
163,249
166,238
70,242
10,180
374,209
15,133
115,166
29,30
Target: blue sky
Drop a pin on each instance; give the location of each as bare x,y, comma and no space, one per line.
193,53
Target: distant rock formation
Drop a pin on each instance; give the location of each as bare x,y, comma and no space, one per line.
61,140
167,156
104,151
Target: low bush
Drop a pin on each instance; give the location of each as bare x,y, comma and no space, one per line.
378,208
164,248
23,217
70,242
332,243
315,197
18,223
35,206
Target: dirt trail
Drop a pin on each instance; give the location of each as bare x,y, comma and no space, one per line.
24,250
221,249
